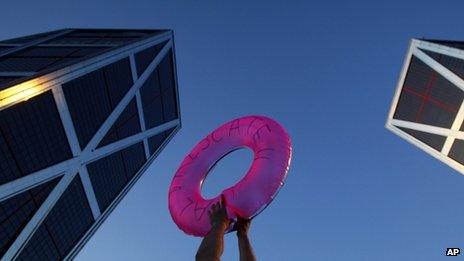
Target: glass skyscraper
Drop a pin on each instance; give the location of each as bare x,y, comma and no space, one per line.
428,105
83,113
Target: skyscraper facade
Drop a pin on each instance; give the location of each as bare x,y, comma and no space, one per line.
83,113
428,105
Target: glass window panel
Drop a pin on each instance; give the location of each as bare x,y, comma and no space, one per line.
66,223
70,218
155,142
16,212
114,40
40,247
87,51
6,79
34,134
170,105
166,76
427,97
457,151
454,44
110,174
118,79
126,125
113,33
88,104
73,40
28,38
455,65
433,140
134,158
151,101
25,64
108,177
145,57
92,97
56,52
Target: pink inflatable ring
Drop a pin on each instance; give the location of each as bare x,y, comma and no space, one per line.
272,154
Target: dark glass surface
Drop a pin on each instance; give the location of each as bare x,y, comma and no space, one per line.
9,169
454,44
113,33
25,64
28,38
159,100
108,178
427,97
51,52
126,125
69,40
453,64
88,51
4,80
134,158
145,57
433,140
70,218
66,223
152,103
40,247
168,132
457,151
166,76
88,103
16,212
118,79
31,137
4,48
104,37
47,56
39,58
155,142
110,174
92,97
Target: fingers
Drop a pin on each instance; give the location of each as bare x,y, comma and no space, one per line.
215,207
239,218
224,203
219,206
242,222
234,227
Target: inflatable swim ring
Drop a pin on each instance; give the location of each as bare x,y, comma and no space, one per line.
272,150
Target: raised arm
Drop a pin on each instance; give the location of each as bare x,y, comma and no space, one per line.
246,251
212,245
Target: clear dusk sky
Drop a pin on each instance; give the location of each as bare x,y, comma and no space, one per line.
327,71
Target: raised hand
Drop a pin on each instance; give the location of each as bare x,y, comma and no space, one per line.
212,245
242,226
218,214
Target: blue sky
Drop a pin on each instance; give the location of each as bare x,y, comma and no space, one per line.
327,71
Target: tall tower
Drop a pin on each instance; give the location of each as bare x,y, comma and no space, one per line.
83,113
428,105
